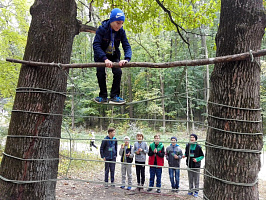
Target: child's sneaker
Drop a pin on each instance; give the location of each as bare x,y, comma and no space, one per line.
100,100
128,188
196,194
141,187
190,193
117,100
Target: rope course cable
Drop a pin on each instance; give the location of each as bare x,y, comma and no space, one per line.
71,140
38,90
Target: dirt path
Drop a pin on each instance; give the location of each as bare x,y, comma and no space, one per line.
68,190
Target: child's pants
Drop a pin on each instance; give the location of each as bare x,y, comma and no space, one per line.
174,175
158,172
111,167
140,171
193,178
101,76
126,169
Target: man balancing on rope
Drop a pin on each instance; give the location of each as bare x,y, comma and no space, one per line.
106,49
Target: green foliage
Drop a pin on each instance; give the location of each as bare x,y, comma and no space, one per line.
14,20
148,15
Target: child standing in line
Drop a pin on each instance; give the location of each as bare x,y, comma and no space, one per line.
174,155
194,156
108,151
106,49
156,157
126,152
140,149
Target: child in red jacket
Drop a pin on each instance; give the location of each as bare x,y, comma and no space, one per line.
156,157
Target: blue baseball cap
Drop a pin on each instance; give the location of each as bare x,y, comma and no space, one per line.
117,15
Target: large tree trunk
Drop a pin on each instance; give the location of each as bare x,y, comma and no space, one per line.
50,39
235,85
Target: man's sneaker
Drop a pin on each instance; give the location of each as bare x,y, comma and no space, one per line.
128,188
190,193
100,100
158,191
117,100
149,189
122,187
196,194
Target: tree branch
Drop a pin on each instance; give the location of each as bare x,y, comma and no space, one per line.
171,19
229,58
86,28
139,43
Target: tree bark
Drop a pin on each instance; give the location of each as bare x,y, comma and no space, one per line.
235,84
50,39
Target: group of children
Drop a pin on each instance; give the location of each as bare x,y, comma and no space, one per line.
156,153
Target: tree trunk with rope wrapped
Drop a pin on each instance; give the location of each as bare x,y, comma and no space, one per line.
34,131
234,137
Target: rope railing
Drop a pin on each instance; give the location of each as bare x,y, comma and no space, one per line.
71,139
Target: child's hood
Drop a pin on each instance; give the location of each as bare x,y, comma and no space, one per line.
106,23
176,145
107,137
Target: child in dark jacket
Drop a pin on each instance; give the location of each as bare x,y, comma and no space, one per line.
156,157
127,153
108,151
106,49
174,155
194,156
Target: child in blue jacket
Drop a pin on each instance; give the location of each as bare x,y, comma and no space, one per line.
106,49
108,151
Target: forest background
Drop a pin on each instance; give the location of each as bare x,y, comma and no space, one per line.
153,38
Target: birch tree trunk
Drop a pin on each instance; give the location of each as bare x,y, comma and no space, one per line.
130,95
162,93
204,52
235,85
50,39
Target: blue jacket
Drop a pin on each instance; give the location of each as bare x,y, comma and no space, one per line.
108,149
102,40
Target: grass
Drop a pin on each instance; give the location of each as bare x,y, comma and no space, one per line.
76,163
